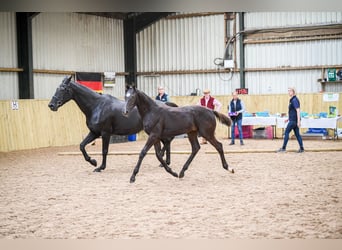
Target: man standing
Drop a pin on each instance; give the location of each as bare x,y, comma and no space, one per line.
211,103
236,108
293,121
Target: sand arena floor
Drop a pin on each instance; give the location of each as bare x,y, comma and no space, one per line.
48,195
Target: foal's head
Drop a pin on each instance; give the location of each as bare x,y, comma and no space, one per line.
62,95
130,99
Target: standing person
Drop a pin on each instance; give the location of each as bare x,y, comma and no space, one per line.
236,108
209,102
162,96
293,121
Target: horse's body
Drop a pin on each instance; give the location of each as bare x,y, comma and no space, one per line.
163,121
103,116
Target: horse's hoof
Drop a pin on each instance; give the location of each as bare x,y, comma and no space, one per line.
97,170
93,162
181,175
175,175
232,171
132,180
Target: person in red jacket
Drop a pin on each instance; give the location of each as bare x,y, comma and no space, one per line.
209,102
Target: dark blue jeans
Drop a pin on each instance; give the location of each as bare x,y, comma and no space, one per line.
292,125
239,125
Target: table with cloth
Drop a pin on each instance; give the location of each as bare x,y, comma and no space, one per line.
329,123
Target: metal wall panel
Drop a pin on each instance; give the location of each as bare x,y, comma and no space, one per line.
308,53
75,42
277,82
8,56
254,20
182,85
181,44
290,54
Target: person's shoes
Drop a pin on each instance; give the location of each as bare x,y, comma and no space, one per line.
300,151
281,150
232,143
241,143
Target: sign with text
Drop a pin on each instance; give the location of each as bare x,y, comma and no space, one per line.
242,91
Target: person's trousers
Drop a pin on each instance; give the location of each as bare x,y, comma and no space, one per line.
292,125
239,125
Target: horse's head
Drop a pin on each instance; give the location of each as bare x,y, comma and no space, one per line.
62,95
130,99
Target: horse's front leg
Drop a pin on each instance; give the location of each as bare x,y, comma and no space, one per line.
195,147
161,160
89,138
105,145
150,141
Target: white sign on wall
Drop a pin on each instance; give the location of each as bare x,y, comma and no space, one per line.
330,97
14,105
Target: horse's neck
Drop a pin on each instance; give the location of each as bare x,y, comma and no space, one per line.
84,97
145,104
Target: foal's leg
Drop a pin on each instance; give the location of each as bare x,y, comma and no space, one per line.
218,145
89,138
166,148
150,141
105,145
195,147
161,160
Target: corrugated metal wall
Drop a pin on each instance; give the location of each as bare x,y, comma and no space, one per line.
79,42
255,20
76,42
183,44
290,54
8,56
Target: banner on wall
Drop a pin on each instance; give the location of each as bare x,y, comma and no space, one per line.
91,80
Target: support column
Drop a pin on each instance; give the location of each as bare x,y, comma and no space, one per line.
242,50
130,51
25,61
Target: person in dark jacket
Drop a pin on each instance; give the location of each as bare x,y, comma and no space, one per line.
162,96
293,121
236,108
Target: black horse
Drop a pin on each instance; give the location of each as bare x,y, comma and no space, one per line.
164,121
103,117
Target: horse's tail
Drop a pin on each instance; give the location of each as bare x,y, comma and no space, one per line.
223,118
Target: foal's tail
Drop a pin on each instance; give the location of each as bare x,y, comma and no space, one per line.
223,118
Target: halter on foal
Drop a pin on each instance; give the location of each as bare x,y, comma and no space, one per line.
163,121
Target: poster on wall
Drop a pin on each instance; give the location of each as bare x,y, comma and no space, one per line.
109,79
15,105
330,97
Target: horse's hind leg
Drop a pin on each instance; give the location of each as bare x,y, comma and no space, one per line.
166,148
195,147
89,138
161,160
218,146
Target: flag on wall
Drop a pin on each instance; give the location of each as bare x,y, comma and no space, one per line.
90,80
